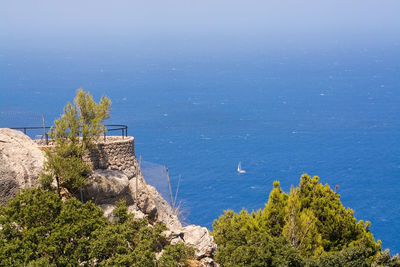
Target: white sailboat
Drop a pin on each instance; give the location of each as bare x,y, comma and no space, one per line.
239,168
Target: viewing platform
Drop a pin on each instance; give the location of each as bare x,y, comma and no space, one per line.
41,134
113,152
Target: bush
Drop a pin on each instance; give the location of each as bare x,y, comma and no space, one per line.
307,226
38,229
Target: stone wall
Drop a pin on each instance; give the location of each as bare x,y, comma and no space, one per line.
116,153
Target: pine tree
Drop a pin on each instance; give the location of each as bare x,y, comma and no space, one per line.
75,131
273,215
307,227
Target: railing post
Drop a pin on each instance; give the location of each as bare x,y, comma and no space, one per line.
24,130
122,131
126,130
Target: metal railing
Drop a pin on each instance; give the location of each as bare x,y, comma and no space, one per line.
117,127
45,135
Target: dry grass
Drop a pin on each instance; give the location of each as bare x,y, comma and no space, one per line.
182,212
193,263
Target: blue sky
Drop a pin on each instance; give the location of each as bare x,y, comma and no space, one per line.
45,22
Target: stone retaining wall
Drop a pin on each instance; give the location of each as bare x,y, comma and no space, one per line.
116,153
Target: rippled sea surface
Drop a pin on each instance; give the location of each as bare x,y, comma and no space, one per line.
280,112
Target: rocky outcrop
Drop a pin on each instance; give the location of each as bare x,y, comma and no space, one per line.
146,201
21,162
107,186
165,213
198,238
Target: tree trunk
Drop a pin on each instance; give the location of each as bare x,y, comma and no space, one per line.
58,186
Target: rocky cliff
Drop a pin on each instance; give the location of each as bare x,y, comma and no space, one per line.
21,162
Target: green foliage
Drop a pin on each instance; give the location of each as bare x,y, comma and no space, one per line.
384,259
121,211
38,229
26,221
84,118
69,241
348,257
127,242
132,244
337,225
273,215
175,256
300,228
308,226
40,263
91,115
242,243
46,179
75,131
70,172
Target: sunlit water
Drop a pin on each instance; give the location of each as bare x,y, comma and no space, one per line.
331,113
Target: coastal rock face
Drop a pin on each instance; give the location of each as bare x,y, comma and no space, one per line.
199,238
21,162
107,186
143,199
165,213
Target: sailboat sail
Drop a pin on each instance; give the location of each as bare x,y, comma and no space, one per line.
239,168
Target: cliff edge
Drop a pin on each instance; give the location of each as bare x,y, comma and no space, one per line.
116,175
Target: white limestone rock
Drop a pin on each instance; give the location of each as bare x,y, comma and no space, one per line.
200,239
107,186
165,213
21,162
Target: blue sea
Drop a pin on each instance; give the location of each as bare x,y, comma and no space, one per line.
200,108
